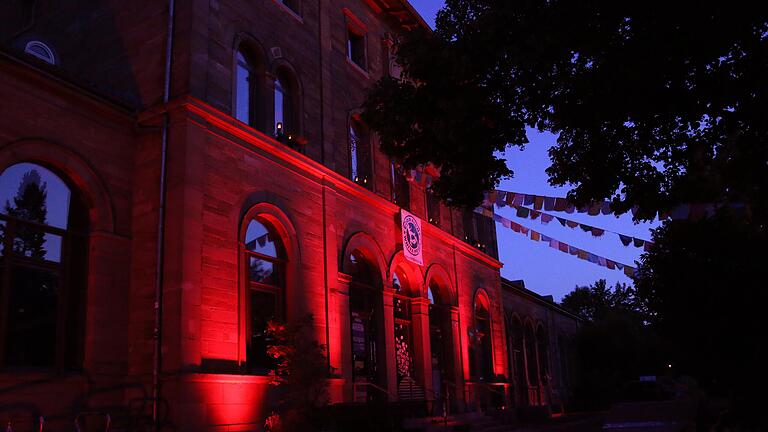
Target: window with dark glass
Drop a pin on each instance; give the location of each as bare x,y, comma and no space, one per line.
401,189
291,4
356,47
43,257
401,304
481,360
360,155
247,79
365,310
433,208
265,267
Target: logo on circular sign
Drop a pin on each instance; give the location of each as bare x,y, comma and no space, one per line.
411,235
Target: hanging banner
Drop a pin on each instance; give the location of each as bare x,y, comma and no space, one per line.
412,238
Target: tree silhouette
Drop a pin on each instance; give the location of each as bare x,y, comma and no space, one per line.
29,204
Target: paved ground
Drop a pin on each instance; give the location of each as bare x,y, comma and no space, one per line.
586,422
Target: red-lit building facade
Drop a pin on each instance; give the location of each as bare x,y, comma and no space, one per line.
275,204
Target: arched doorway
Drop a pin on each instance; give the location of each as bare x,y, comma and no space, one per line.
481,355
441,344
366,321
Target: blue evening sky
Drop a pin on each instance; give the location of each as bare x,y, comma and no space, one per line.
546,270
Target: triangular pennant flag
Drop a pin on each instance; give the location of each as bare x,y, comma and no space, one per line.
572,224
601,261
546,218
535,236
583,254
524,230
545,238
610,264
638,242
585,228
570,208
535,214
573,250
561,220
554,244
538,202
523,212
597,232
619,266
518,199
629,271
625,240
515,227
563,247
591,257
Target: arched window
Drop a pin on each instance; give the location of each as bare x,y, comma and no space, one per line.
531,358
366,320
286,106
43,231
265,266
41,51
249,77
542,343
360,155
481,359
401,304
440,338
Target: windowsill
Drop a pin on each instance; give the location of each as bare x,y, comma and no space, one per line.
290,11
357,67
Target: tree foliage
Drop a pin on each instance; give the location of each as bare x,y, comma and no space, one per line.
29,204
301,373
616,344
654,103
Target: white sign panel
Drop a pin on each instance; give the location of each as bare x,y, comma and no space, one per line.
412,239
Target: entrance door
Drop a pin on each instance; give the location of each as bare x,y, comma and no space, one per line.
365,347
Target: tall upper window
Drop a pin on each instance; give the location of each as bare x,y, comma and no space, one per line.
41,51
433,208
401,189
356,51
265,267
43,253
361,164
248,78
286,102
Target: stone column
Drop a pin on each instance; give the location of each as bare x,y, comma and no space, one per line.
458,369
340,345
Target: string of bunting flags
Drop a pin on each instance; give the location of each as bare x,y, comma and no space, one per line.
546,218
557,244
505,198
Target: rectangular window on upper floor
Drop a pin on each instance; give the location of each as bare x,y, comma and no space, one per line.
356,41
401,189
433,208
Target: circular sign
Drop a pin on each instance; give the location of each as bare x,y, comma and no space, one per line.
411,235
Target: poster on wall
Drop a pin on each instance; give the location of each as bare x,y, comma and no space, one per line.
412,239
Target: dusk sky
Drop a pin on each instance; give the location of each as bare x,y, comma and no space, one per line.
546,270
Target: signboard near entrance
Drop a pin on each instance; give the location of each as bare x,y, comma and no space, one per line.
412,237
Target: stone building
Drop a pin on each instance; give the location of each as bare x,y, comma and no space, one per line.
178,173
